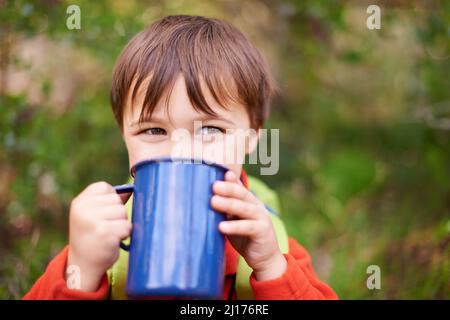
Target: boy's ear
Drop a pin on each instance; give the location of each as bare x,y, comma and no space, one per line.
253,139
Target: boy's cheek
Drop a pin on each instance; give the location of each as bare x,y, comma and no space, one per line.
228,150
139,151
228,155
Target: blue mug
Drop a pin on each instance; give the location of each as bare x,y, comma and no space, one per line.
176,249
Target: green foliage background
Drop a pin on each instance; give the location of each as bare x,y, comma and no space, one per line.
364,119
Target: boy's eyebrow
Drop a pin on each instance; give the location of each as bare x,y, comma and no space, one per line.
145,119
199,118
212,117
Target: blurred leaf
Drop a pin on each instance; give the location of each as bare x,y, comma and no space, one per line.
347,173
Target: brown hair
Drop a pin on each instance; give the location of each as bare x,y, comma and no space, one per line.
201,50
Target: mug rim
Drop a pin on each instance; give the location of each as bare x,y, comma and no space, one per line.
176,159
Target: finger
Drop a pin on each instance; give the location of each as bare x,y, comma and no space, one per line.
120,228
234,207
233,190
231,176
105,199
114,212
239,227
100,187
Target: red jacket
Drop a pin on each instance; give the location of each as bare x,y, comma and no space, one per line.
299,281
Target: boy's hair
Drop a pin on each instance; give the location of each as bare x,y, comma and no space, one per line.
206,52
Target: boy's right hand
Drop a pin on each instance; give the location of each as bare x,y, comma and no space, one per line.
98,222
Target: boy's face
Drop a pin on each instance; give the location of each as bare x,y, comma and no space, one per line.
179,130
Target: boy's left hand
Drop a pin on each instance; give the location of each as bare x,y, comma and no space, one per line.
250,229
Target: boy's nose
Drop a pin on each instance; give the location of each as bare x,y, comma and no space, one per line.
185,146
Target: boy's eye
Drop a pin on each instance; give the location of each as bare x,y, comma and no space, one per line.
155,131
207,130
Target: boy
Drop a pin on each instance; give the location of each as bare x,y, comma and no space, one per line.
177,73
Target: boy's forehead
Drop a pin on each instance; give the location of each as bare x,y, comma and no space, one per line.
176,103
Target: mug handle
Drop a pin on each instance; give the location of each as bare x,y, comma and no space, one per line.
124,188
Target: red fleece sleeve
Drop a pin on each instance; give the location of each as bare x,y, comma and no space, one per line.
299,281
52,285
